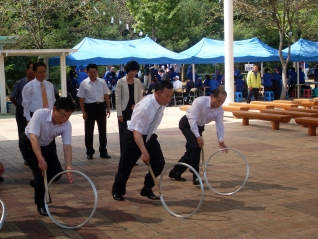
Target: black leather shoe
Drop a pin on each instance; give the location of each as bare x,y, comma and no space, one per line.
89,156
32,183
42,211
105,156
177,178
118,197
1,179
26,163
196,181
147,192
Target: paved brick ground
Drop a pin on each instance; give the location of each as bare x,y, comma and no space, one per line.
280,199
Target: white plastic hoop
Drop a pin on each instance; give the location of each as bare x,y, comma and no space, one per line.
95,195
201,186
4,213
246,177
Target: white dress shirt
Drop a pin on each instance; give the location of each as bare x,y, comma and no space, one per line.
201,113
32,96
93,91
41,125
177,84
144,114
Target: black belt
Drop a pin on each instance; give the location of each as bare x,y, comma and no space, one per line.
95,103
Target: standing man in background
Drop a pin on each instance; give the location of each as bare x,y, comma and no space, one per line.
38,93
93,93
253,83
16,99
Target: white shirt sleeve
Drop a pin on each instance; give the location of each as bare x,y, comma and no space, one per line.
219,125
26,95
138,121
105,88
193,118
67,134
81,91
35,124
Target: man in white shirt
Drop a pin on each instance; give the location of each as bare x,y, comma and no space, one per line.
37,93
144,122
37,145
177,84
93,93
202,111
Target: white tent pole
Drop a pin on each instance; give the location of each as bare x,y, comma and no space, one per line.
262,69
298,87
228,50
63,74
3,86
193,72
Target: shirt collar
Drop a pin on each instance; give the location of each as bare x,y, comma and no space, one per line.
49,117
208,103
37,81
153,98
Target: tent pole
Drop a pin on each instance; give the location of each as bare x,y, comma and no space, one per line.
3,86
228,50
298,86
63,74
193,73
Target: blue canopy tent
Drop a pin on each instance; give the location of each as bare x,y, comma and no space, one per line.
105,52
303,50
212,51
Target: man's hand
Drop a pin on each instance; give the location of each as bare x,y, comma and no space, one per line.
2,170
42,165
223,146
200,141
132,107
108,112
85,116
145,157
69,174
120,119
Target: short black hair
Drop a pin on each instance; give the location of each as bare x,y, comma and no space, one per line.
38,64
208,77
65,103
219,90
163,84
93,66
28,66
132,66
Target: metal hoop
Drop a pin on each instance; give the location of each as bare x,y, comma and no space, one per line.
246,177
201,186
95,204
4,214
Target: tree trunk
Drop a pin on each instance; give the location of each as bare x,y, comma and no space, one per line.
284,82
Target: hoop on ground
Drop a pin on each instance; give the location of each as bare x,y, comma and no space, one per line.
162,198
4,214
95,199
246,177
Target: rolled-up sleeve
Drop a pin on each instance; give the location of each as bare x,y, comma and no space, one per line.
193,118
67,134
26,95
219,125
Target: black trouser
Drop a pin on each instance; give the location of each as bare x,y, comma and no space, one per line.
20,119
254,92
53,166
276,89
113,99
122,126
95,112
193,150
131,153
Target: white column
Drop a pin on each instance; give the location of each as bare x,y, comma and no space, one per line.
46,62
3,86
63,74
228,50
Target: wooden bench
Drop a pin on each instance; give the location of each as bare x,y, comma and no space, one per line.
225,108
274,118
292,113
312,123
276,105
287,102
304,110
251,106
